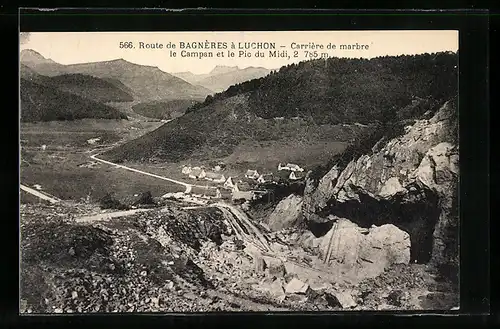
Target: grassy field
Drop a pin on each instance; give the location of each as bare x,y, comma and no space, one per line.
60,134
61,169
60,175
263,156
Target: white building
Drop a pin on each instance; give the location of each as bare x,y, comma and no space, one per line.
228,184
253,174
197,172
215,177
291,167
265,178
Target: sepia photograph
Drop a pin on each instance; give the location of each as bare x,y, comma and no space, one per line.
252,171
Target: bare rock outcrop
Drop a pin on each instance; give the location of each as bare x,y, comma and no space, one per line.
286,214
410,181
367,251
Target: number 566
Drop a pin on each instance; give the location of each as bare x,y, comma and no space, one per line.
126,45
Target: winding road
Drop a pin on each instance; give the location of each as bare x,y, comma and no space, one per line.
186,185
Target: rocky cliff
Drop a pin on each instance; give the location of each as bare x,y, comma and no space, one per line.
286,214
410,181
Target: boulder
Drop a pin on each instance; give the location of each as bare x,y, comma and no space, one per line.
342,298
382,247
342,242
276,288
368,251
295,286
287,213
309,242
319,286
277,269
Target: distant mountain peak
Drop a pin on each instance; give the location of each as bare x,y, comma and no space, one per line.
30,55
121,61
31,51
220,69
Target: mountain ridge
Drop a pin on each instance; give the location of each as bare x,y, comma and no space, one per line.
222,77
146,82
87,86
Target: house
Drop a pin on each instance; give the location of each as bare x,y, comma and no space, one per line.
228,184
294,175
265,178
217,168
253,174
246,184
294,167
197,172
242,186
186,170
241,195
290,166
215,177
93,141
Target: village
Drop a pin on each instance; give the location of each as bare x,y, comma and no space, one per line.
239,188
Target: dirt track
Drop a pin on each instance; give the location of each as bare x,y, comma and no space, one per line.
43,196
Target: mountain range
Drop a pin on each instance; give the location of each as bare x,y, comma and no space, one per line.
145,82
222,77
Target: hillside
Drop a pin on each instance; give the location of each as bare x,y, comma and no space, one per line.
340,90
304,107
100,90
43,102
227,130
147,82
168,109
222,77
222,81
91,87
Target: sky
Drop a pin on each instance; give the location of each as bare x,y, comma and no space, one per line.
84,47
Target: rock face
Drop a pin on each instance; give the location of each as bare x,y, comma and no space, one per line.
287,213
368,251
410,181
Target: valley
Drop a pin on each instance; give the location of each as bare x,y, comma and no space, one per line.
300,189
